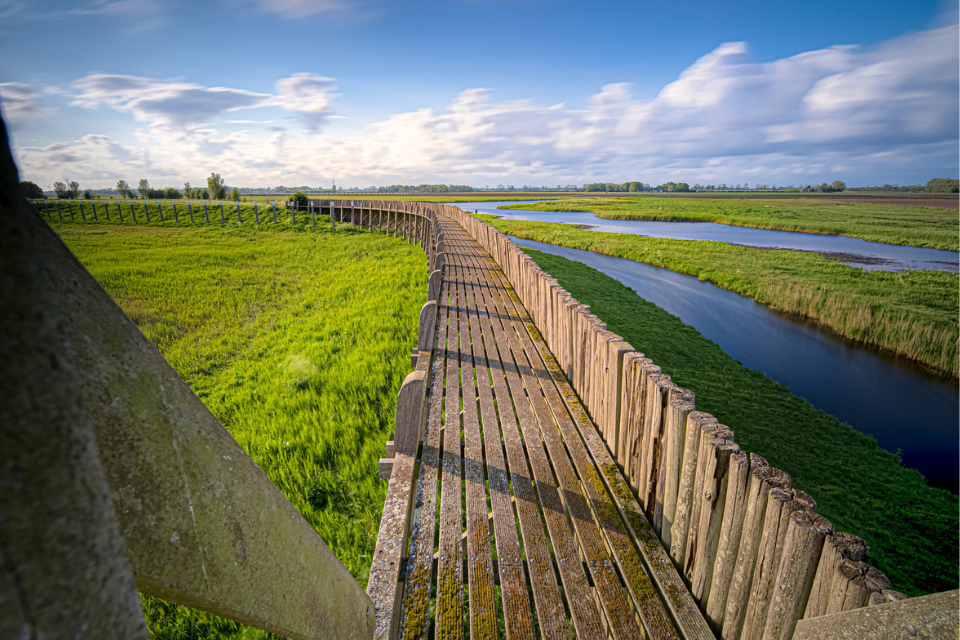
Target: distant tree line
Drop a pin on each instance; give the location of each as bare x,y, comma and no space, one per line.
936,185
611,187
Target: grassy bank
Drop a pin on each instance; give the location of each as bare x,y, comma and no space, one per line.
913,314
915,226
911,528
297,341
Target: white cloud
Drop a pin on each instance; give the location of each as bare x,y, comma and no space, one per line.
136,15
309,94
838,112
179,105
20,103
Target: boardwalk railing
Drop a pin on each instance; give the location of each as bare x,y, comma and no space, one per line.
115,478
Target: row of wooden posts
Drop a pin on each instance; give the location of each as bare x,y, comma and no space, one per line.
754,552
336,209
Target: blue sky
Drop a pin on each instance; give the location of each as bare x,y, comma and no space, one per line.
480,92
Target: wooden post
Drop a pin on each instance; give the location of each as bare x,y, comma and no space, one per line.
781,504
734,512
59,212
239,220
176,218
428,326
256,215
146,210
206,213
133,212
853,585
160,209
702,547
409,425
83,214
119,212
313,215
696,422
353,219
274,212
293,211
433,285
333,221
837,547
801,550
190,210
675,431
223,220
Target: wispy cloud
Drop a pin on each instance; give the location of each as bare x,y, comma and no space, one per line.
184,105
137,15
20,103
345,10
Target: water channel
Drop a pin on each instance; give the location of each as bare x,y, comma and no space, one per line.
898,402
852,251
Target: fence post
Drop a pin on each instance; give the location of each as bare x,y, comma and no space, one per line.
256,214
293,210
59,212
353,220
222,219
333,219
176,218
119,212
133,212
206,213
190,209
313,214
274,212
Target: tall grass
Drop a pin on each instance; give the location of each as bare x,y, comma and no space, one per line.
298,342
911,527
913,314
891,224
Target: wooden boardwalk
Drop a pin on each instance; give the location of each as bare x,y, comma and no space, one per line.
514,524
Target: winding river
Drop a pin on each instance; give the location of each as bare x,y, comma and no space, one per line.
899,403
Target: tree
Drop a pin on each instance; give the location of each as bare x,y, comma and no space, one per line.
144,187
186,189
215,186
123,188
300,198
235,195
74,189
30,190
838,185
62,191
681,186
942,185
87,195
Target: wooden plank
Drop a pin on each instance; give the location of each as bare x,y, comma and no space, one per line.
517,616
666,578
656,620
449,601
483,607
416,599
543,579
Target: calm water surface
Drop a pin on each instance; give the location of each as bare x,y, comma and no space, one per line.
900,404
852,251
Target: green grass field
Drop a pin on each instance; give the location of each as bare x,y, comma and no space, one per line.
911,528
913,314
297,340
892,224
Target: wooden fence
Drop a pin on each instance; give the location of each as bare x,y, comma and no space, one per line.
118,477
754,552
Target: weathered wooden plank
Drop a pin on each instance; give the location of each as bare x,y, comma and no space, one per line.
449,601
656,620
543,579
667,579
517,616
483,608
